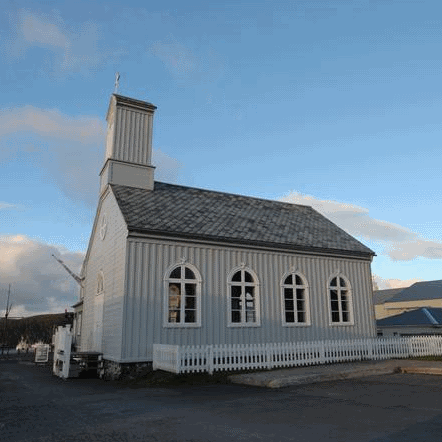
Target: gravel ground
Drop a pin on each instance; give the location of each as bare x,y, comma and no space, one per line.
36,406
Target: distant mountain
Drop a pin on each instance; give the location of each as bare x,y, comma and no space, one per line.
33,329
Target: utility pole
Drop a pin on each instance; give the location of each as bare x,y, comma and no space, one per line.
7,311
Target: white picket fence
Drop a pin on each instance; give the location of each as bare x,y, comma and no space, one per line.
210,358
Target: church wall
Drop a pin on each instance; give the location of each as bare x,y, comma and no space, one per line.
149,259
107,256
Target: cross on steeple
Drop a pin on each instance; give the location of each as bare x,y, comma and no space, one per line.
117,82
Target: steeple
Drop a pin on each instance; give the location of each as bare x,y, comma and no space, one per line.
128,144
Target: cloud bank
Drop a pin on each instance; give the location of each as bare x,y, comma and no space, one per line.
39,283
399,243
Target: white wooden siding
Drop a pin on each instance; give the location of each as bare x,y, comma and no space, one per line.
132,136
148,261
106,255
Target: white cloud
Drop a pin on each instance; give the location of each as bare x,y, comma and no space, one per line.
7,206
70,149
398,242
39,283
384,284
184,64
178,59
53,123
42,31
407,250
73,49
167,167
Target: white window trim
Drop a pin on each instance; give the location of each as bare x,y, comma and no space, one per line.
306,288
350,301
198,282
257,296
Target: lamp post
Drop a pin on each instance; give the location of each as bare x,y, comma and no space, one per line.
5,331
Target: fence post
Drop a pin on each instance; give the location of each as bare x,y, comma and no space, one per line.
322,358
269,356
209,356
178,359
370,349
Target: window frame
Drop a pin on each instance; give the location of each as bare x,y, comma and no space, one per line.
243,284
294,286
182,281
338,288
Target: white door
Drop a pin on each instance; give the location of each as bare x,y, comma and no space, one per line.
98,322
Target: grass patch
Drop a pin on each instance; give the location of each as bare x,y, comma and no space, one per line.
426,358
161,378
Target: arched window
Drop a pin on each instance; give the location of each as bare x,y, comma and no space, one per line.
183,296
341,311
295,300
100,283
243,307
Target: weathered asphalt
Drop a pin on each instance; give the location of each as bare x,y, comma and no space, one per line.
35,406
334,372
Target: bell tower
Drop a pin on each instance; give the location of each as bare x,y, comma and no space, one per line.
128,154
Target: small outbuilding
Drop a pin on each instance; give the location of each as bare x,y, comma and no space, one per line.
421,321
392,302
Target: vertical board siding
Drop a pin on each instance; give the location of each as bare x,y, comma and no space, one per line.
106,255
145,297
133,131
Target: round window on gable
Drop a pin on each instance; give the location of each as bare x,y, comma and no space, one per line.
103,227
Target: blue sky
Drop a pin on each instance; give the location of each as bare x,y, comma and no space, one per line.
336,104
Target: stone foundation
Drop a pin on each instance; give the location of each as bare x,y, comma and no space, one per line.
116,371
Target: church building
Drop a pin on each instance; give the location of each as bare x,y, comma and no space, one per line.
170,264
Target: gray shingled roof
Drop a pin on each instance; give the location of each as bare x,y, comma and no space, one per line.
428,316
418,291
196,213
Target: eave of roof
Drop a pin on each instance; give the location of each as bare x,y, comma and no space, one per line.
423,317
134,232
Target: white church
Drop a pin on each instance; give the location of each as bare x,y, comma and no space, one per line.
169,264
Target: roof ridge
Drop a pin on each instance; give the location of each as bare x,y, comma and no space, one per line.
202,213
430,316
238,195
